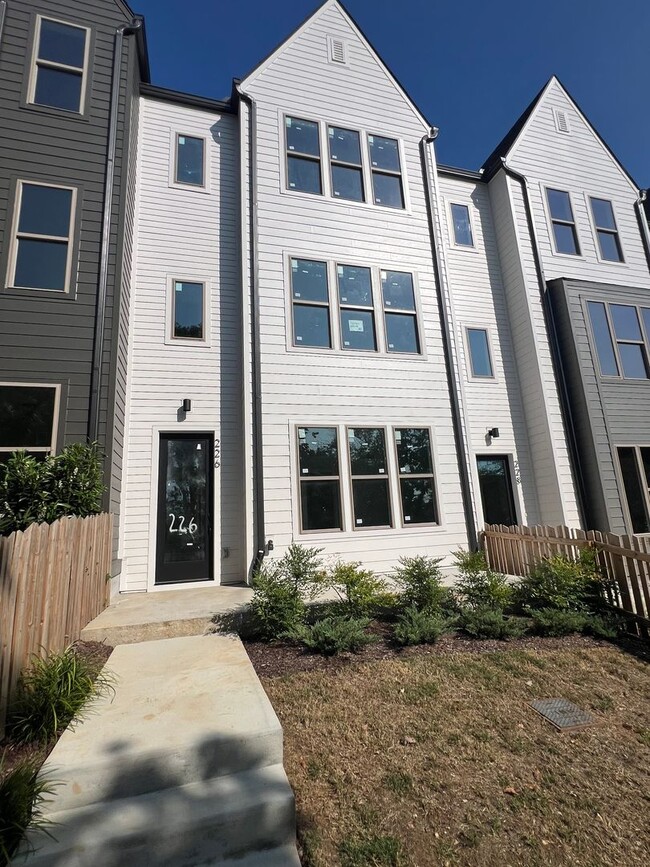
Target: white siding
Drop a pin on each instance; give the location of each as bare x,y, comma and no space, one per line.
479,300
328,387
184,233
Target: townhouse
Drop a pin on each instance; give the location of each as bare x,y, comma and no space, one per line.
315,333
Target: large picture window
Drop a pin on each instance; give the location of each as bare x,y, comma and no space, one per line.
369,472
59,69
320,484
416,480
310,303
28,418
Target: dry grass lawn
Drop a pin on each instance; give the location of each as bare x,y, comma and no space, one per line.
437,760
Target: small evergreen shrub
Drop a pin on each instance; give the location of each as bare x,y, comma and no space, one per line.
478,586
419,627
491,623
420,581
302,568
358,589
558,582
333,635
52,693
607,626
276,607
555,622
22,794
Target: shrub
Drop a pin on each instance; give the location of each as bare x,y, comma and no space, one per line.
21,798
478,586
491,623
333,635
53,692
358,589
558,582
420,580
607,626
555,622
302,568
276,607
419,627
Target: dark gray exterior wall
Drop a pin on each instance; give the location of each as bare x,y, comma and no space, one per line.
607,412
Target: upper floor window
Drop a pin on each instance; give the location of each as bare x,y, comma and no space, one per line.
303,156
386,171
59,68
345,162
606,230
479,353
563,222
356,307
462,226
190,161
188,311
400,315
41,250
28,417
618,337
310,303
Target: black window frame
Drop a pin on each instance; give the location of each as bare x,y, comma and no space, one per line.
558,221
299,155
604,230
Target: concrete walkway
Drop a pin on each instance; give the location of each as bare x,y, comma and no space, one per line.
181,767
134,617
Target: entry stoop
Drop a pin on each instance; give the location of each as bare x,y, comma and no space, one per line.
181,767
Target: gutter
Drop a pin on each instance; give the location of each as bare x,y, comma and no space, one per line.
551,329
124,30
456,414
643,223
261,546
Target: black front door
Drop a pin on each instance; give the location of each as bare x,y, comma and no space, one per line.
496,490
184,537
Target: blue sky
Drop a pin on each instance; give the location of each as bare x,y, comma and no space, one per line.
471,66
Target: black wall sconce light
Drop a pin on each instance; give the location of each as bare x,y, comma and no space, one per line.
187,405
493,433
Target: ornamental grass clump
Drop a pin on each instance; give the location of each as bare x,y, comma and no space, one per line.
22,794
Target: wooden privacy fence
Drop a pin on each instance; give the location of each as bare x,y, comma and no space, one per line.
53,581
624,560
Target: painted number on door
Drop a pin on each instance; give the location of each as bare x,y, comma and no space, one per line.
191,528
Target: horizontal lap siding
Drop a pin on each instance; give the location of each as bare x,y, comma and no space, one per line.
339,387
185,234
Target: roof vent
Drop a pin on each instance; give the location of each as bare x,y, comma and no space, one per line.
337,50
561,121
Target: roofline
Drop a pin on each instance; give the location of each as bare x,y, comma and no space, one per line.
465,174
142,49
190,100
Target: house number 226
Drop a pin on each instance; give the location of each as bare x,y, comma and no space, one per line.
181,528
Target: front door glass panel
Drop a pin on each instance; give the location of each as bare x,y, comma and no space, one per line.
496,490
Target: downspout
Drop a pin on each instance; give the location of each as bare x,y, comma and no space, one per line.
551,329
3,14
643,223
107,218
461,451
253,264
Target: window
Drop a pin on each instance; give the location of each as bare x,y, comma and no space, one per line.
606,230
42,244
564,227
59,65
345,164
386,172
28,415
635,470
310,300
189,310
303,156
320,488
368,468
629,341
479,353
497,494
399,312
356,307
416,481
462,226
602,338
190,161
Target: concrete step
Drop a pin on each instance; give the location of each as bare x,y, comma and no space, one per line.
185,710
241,820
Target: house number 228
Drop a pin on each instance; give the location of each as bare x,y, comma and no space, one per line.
181,528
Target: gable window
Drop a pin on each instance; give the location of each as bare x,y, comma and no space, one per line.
310,301
320,486
345,164
28,417
190,161
60,65
42,244
563,222
609,243
479,353
400,315
189,310
356,308
386,171
416,481
303,155
635,471
369,471
462,226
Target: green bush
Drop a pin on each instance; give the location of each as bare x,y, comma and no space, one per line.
32,491
420,581
302,568
478,586
608,626
555,622
558,582
420,627
359,590
333,635
52,692
491,623
21,798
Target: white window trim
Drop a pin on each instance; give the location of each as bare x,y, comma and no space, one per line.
471,326
51,449
175,134
467,248
170,340
549,220
50,64
592,222
16,235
